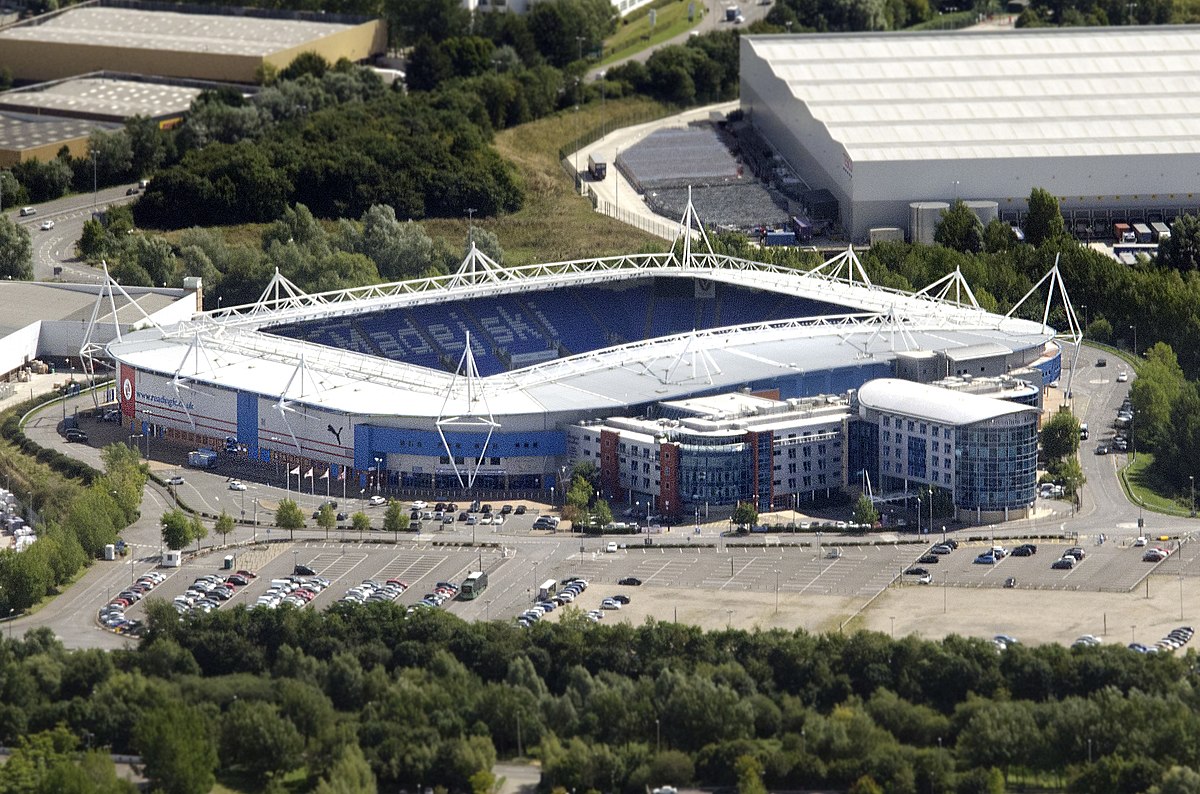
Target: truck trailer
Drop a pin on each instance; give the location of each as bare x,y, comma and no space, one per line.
597,166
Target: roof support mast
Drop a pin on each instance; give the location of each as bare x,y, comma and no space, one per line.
1074,332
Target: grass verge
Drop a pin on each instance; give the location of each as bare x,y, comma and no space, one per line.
1144,488
635,34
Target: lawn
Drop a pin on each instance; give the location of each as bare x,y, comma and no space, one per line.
635,34
1144,488
556,224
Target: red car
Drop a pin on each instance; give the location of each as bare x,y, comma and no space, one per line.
248,574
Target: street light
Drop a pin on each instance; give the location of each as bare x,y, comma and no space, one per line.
149,430
776,590
1134,329
1192,482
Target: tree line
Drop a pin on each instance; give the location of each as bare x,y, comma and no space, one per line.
389,701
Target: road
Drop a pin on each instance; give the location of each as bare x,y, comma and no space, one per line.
56,247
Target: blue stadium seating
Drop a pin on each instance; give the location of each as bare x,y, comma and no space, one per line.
511,331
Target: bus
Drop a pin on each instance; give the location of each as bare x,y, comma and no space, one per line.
548,588
475,583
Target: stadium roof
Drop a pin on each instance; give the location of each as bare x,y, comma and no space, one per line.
1044,92
230,348
954,408
168,30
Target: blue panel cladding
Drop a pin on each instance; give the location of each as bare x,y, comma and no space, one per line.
1051,369
836,380
371,440
247,421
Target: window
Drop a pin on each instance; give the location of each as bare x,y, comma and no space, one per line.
946,433
791,468
911,424
808,465
924,429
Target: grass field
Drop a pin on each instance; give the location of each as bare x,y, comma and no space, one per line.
1144,488
556,224
634,33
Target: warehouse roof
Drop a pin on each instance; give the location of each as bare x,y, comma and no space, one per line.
20,131
954,408
167,30
1046,92
102,97
26,302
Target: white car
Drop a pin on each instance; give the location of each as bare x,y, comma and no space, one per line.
1139,541
47,225
1122,376
176,480
237,485
419,505
376,501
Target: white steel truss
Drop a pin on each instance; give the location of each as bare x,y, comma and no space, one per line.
471,418
1056,287
90,350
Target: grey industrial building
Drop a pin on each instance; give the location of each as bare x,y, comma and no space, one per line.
1106,119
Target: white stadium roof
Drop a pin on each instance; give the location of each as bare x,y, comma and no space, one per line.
228,347
1042,92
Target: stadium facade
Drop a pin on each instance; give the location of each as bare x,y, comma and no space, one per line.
1096,116
474,380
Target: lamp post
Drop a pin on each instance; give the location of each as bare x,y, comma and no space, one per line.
95,189
777,591
893,619
1192,483
378,473
1134,329
1085,322
149,430
918,515
931,509
657,736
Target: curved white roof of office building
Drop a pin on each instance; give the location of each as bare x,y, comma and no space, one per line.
954,408
1032,92
231,349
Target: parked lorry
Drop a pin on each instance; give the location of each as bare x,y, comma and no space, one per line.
802,228
1123,233
202,458
597,166
733,14
779,237
1142,232
1161,231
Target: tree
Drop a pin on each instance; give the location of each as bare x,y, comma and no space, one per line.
960,229
865,513
224,525
288,516
93,242
16,251
351,774
305,63
1060,436
1181,250
394,518
178,759
360,521
326,518
745,514
1044,221
257,740
176,529
998,237
749,775
197,531
1177,780
602,513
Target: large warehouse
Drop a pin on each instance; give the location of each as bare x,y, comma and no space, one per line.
205,44
473,380
1103,118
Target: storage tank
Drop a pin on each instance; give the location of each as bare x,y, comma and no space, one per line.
886,234
985,211
926,215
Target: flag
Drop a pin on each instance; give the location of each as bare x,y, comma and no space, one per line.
295,471
342,474
308,474
325,476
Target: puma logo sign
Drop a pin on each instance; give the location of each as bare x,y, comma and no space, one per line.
336,433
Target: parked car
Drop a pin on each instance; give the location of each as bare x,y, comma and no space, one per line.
1064,563
1025,550
237,485
520,510
1010,582
631,581
917,572
1077,552
47,225
929,559
376,501
986,559
941,548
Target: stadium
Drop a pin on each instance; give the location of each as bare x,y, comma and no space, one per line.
471,380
